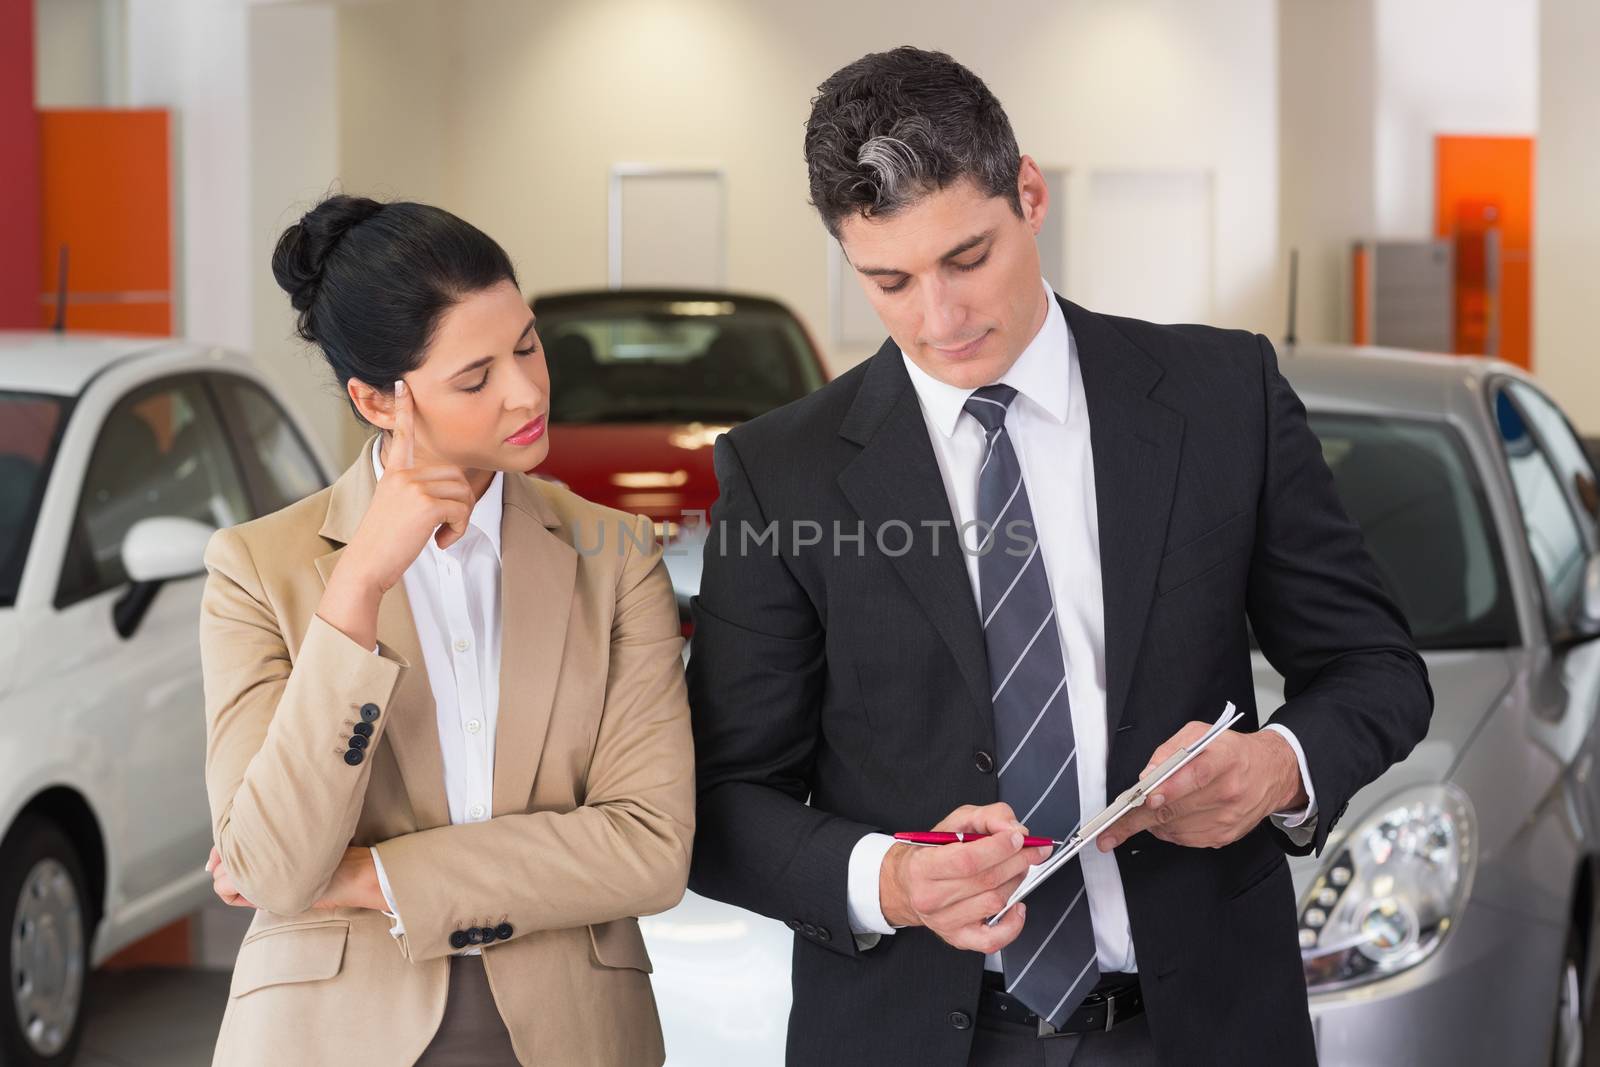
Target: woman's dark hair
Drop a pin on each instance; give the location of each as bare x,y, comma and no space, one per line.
370,281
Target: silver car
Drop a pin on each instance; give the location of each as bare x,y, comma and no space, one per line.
1450,917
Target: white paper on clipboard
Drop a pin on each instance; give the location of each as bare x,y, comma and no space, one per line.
1130,798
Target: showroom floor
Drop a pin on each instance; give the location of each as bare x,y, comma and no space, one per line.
164,1016
168,1017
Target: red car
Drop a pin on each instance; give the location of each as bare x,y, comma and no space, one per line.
643,381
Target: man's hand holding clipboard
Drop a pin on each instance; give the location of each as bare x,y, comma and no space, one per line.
1164,766
1180,797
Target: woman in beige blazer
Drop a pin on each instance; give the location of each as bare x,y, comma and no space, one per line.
448,747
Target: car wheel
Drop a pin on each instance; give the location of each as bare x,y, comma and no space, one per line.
45,947
1567,1047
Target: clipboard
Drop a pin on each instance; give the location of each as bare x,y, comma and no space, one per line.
1132,797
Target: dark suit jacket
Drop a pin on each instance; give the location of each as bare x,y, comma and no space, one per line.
841,691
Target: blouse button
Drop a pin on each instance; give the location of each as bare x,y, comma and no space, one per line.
462,644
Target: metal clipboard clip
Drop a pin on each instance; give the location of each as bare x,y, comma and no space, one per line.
1132,797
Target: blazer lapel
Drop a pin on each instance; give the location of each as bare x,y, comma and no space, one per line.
1136,443
896,477
413,733
538,572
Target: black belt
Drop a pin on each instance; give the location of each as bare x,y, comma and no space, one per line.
1114,1000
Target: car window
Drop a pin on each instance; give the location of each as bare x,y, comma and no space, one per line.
673,361
1567,454
30,429
161,452
1412,489
276,461
1555,537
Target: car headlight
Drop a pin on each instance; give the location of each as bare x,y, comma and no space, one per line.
1391,892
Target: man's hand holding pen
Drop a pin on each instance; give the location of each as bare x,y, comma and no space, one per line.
952,889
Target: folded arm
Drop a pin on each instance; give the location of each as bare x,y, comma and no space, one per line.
623,852
284,788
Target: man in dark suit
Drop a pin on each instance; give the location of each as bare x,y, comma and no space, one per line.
982,582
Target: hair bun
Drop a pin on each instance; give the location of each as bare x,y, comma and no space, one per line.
304,248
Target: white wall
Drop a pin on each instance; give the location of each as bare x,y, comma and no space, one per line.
1566,239
294,158
1446,66
1328,87
253,89
192,56
70,52
512,113
1366,86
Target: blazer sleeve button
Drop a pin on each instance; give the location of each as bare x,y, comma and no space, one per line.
823,935
363,728
793,924
503,931
369,712
459,939
359,741
354,756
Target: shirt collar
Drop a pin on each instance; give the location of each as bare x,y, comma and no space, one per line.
486,513
1040,374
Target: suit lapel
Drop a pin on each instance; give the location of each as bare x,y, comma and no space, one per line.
538,572
896,477
413,732
1136,443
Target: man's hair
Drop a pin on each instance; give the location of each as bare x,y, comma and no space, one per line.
894,126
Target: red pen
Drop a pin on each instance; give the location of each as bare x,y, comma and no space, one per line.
940,837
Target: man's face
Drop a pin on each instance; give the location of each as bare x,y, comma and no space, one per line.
955,277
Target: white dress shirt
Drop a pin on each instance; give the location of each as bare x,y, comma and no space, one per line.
455,604
1048,424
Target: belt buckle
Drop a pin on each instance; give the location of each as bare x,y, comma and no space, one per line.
1110,1002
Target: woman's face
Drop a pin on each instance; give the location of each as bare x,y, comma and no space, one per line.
482,393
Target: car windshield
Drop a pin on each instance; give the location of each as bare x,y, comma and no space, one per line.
1413,491
673,361
30,427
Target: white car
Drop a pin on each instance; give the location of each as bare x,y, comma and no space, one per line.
118,458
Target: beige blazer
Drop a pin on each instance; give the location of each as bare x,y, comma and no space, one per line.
593,790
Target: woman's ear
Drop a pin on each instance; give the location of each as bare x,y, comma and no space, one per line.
377,408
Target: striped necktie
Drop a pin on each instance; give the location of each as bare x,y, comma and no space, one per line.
1051,965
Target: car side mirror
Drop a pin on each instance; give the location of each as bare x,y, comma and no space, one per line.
154,552
1589,602
161,549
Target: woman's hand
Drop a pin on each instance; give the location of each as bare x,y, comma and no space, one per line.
411,504
222,882
354,885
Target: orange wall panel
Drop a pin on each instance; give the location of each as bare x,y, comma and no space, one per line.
106,176
1482,184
